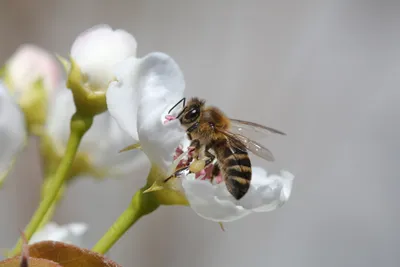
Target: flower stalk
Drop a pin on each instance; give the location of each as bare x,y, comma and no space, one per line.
79,126
50,212
141,204
144,201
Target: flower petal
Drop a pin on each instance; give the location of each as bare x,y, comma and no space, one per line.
203,199
30,63
12,131
160,86
60,113
98,49
71,233
274,192
101,143
122,98
214,202
267,192
151,85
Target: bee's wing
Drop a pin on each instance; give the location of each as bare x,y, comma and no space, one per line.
247,128
243,143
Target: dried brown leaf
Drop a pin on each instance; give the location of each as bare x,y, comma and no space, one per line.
25,261
69,255
32,262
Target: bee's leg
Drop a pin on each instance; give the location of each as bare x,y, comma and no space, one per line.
215,172
195,144
210,157
201,159
176,173
195,148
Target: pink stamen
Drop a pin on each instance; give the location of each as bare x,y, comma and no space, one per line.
169,118
178,152
200,174
191,150
204,174
218,179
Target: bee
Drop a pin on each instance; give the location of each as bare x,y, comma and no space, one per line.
212,137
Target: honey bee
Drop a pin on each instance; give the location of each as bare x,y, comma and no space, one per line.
212,137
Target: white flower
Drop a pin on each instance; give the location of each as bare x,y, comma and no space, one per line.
12,131
100,146
98,49
214,202
148,88
139,101
70,233
29,64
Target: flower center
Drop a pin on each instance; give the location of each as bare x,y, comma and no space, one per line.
183,162
205,174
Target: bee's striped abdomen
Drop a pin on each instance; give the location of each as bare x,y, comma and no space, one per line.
236,168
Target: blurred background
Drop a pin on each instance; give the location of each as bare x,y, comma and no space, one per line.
325,72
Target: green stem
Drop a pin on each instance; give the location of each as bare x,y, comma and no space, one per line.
48,216
141,204
79,126
50,212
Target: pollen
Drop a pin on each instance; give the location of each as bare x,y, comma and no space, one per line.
197,167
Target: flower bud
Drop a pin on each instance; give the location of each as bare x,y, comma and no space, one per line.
93,57
32,75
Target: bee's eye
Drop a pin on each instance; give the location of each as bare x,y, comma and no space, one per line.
192,114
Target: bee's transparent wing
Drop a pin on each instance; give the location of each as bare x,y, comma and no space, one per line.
243,143
256,148
252,130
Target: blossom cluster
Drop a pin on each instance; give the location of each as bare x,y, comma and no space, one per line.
38,97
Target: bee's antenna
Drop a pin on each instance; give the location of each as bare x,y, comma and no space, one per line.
180,101
180,113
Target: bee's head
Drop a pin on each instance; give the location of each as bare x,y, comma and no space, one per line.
191,112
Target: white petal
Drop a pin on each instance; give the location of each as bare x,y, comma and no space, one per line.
267,192
98,49
274,192
151,85
101,143
28,64
60,112
215,203
161,85
122,98
12,130
104,141
204,200
71,233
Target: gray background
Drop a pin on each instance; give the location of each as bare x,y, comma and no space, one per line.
325,72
